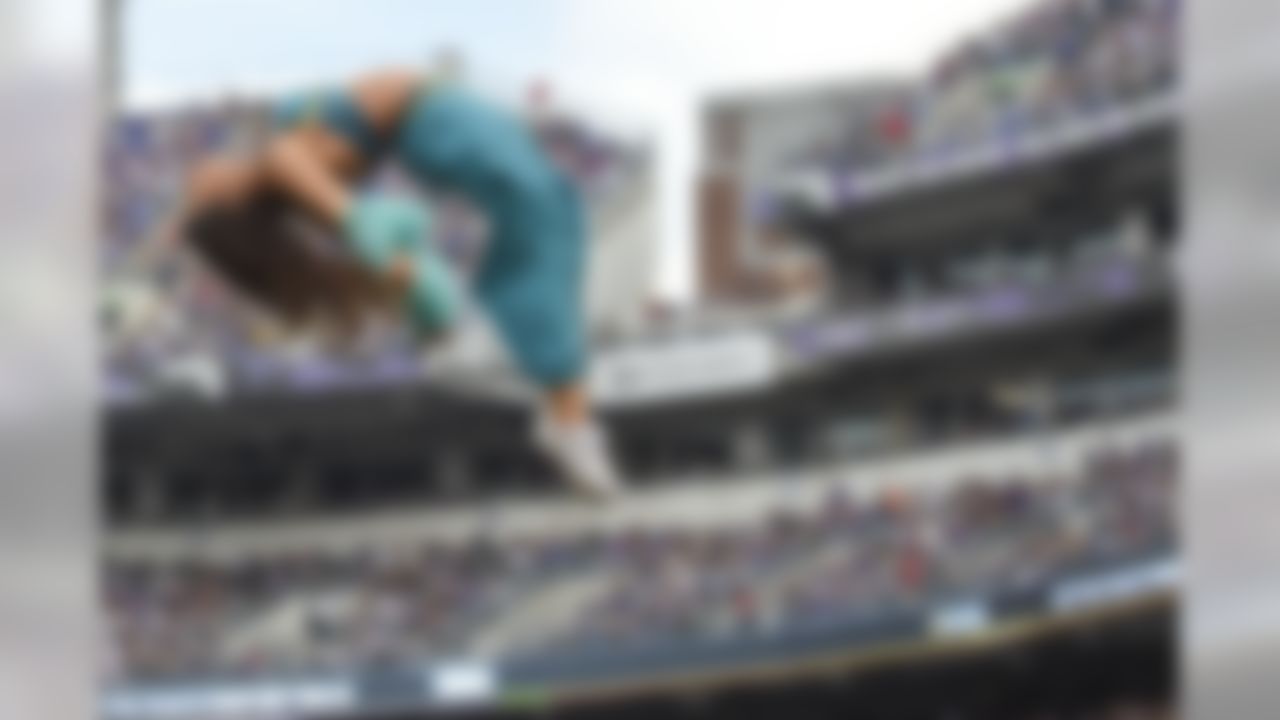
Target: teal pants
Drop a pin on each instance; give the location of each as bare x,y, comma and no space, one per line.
530,280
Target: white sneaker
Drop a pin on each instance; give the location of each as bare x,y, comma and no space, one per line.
581,454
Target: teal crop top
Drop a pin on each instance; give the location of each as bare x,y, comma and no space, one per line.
336,110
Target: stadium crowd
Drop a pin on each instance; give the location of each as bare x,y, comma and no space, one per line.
849,557
1058,61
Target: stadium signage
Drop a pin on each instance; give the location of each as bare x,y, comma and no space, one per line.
690,368
232,700
961,618
1104,589
462,683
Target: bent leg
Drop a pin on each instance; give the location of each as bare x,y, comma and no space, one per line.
531,284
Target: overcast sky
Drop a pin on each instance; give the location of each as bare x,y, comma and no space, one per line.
640,65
